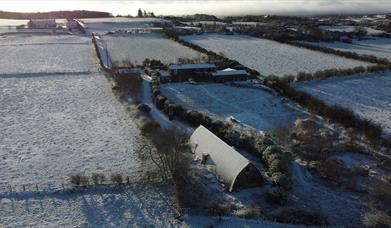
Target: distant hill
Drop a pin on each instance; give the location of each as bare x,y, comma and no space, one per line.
54,14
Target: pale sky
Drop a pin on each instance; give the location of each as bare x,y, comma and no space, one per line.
217,7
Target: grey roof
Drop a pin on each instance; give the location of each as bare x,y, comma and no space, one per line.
192,66
228,162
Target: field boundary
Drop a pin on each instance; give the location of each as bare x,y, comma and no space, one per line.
371,130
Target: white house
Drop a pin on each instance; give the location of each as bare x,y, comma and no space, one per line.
230,166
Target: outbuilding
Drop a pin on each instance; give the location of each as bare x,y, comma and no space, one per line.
182,72
42,24
230,166
229,75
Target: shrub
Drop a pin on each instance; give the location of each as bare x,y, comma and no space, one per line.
98,178
219,210
116,178
377,219
143,108
148,126
281,179
79,180
269,151
302,217
277,165
381,191
160,100
194,118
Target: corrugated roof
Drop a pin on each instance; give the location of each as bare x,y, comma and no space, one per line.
228,162
191,66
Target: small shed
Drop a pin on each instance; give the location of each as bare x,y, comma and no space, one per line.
229,75
233,168
199,71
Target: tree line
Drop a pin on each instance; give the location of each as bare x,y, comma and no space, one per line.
54,14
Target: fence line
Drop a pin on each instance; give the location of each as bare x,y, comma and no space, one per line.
7,188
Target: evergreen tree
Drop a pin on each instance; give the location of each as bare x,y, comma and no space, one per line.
140,13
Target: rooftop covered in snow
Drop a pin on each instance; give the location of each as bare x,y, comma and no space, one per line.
229,163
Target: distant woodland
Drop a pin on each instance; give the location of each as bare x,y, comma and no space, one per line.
54,14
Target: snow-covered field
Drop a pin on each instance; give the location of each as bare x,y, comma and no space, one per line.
102,25
270,57
251,106
368,96
30,55
7,26
349,28
62,119
379,47
138,47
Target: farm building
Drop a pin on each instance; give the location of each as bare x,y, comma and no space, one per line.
129,71
229,75
235,170
196,71
42,24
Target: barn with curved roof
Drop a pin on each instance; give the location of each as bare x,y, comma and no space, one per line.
234,169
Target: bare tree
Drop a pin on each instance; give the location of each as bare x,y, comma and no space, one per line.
165,148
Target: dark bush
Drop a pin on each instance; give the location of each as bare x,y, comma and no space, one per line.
148,126
160,101
98,178
116,178
276,195
281,179
302,217
79,180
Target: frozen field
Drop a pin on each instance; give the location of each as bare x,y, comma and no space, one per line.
368,96
61,120
137,48
7,26
251,106
380,47
270,57
30,55
102,25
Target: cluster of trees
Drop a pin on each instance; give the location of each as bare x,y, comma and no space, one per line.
144,13
275,159
54,14
328,73
338,114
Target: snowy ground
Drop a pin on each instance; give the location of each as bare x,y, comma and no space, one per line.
137,48
103,25
62,119
137,205
251,106
341,208
368,96
379,47
270,57
29,55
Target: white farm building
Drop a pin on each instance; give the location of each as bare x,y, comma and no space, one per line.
230,166
42,24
